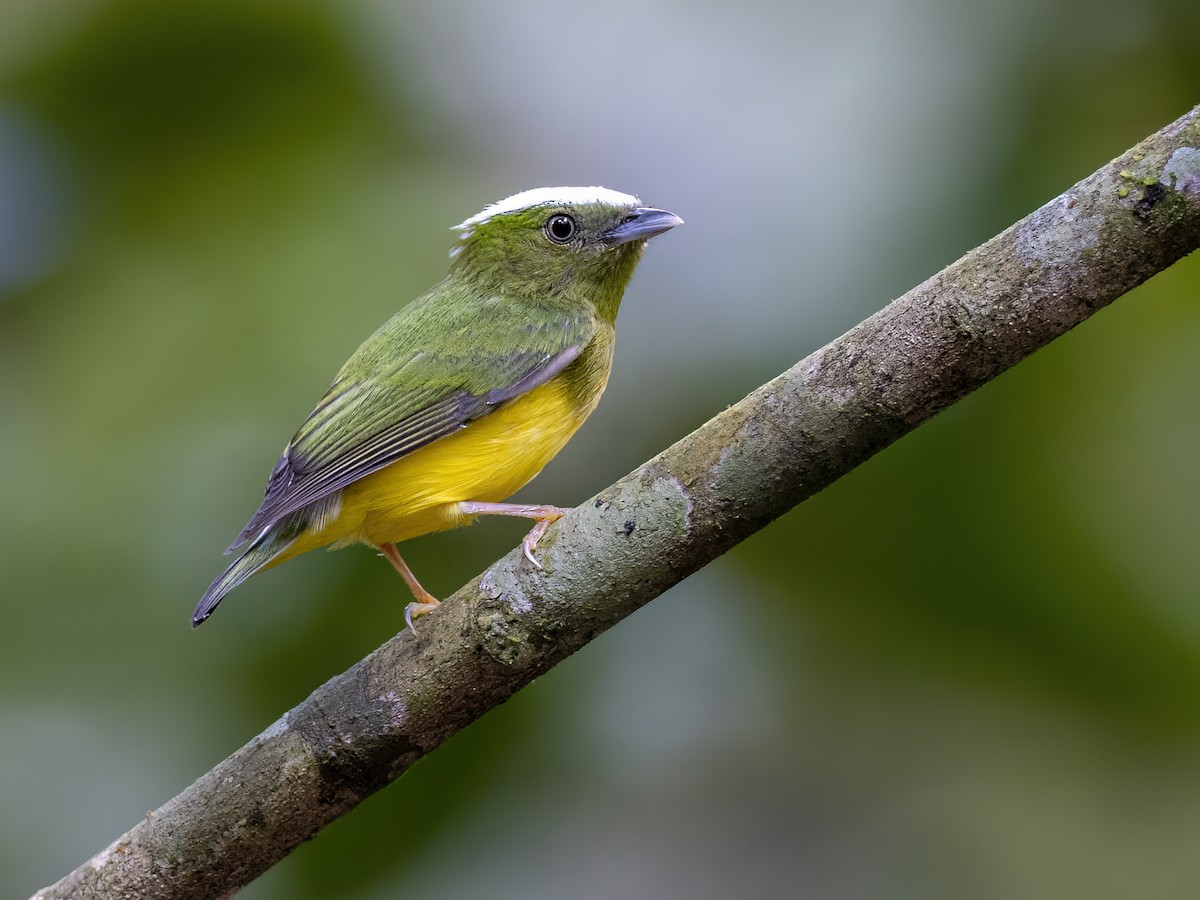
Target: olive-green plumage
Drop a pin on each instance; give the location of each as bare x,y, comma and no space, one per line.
465,393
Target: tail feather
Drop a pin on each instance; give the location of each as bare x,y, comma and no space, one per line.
257,556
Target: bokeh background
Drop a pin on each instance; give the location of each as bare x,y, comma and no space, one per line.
969,669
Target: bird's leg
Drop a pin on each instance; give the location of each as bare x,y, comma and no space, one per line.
544,515
423,601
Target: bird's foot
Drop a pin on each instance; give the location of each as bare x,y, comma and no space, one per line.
545,516
426,605
423,601
529,544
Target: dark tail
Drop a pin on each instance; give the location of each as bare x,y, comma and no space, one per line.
258,555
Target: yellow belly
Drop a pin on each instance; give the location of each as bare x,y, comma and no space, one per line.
489,460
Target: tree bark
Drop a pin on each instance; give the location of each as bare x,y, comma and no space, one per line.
744,468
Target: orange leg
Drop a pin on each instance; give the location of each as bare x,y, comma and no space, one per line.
423,601
544,515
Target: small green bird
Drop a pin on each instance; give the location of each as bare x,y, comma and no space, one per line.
465,394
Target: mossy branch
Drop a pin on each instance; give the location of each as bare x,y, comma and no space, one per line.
747,466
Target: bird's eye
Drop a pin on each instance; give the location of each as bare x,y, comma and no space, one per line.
560,228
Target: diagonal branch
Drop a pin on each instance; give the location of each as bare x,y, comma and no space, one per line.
744,468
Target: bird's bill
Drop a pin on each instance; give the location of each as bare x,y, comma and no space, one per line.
641,224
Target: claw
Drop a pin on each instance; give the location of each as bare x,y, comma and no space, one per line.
418,609
529,544
529,547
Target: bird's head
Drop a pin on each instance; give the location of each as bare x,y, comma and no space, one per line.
564,244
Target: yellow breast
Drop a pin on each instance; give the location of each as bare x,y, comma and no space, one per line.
489,460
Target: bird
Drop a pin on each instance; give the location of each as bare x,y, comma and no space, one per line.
464,395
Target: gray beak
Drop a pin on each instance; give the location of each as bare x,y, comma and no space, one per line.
642,224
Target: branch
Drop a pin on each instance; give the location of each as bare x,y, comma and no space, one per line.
747,466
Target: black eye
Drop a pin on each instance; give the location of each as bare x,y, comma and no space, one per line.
560,228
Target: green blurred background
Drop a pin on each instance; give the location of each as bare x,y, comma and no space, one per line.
970,669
